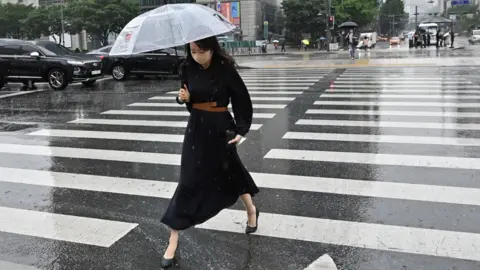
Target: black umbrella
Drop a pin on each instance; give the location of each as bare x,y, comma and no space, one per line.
348,25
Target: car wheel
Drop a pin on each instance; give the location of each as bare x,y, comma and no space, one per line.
119,73
56,79
89,83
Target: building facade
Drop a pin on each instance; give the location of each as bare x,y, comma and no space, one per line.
34,3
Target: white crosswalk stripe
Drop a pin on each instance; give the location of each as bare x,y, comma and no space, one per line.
327,133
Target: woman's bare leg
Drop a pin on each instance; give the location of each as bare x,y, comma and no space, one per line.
172,245
251,209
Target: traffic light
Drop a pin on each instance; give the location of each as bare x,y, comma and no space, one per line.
331,21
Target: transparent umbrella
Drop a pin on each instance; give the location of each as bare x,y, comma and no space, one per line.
170,26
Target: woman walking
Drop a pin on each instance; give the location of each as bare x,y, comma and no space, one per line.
212,176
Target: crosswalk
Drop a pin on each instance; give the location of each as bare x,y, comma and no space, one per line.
374,167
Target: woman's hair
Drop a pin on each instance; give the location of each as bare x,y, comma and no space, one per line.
209,43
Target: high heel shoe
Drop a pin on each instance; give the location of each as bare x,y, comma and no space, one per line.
169,263
248,229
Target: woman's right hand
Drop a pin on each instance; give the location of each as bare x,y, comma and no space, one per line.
183,94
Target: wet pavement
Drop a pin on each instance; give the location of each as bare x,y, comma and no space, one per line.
377,167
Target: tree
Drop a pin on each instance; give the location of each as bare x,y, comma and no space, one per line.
301,16
102,17
12,17
392,16
362,12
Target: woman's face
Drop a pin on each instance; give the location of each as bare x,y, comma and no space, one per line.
200,56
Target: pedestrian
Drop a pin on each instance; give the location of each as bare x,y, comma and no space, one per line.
283,46
452,38
352,43
437,38
212,176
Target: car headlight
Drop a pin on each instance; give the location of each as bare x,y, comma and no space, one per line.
75,62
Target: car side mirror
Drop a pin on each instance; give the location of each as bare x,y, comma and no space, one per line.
35,54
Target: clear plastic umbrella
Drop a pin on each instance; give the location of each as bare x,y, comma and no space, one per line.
170,26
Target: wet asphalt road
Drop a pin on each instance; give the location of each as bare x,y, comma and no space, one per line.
378,167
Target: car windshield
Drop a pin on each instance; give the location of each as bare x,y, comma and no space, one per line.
476,32
395,38
58,49
46,52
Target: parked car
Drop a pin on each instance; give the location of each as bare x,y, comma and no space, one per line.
4,71
475,38
102,54
394,41
32,63
159,62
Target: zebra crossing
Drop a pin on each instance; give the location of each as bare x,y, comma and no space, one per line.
85,148
386,173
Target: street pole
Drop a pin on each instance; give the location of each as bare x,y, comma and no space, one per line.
416,17
63,27
329,13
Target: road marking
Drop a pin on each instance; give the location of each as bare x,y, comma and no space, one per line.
388,124
398,103
395,113
409,91
325,262
90,231
358,86
260,92
364,77
412,83
381,138
440,243
172,113
129,136
377,159
381,96
252,98
21,93
145,123
282,87
86,153
276,84
174,104
14,266
283,78
165,189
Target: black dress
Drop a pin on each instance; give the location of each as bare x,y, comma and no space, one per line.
212,176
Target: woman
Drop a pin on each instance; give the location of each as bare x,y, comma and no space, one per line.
212,177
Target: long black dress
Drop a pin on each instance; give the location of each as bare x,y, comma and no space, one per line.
212,176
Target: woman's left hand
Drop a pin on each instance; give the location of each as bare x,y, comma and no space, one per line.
236,139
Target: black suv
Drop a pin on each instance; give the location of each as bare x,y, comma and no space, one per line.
4,71
159,62
32,63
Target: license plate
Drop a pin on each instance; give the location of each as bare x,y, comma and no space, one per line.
96,72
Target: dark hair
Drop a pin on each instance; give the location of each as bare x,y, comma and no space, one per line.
209,43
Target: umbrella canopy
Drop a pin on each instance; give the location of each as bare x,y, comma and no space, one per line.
435,19
348,25
306,42
170,26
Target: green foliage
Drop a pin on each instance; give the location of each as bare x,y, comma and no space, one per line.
392,16
362,12
99,18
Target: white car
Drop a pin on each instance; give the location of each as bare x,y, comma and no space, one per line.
475,38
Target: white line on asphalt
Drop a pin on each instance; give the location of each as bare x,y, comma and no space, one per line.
441,243
377,159
395,113
252,98
410,83
14,266
86,153
281,87
262,92
279,80
282,78
414,86
165,189
276,84
398,103
382,138
381,96
403,91
145,123
396,79
21,93
388,124
175,104
172,113
90,231
130,136
325,262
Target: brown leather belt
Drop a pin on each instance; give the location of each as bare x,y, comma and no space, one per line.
209,107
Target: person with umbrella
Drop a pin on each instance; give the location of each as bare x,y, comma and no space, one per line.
212,176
